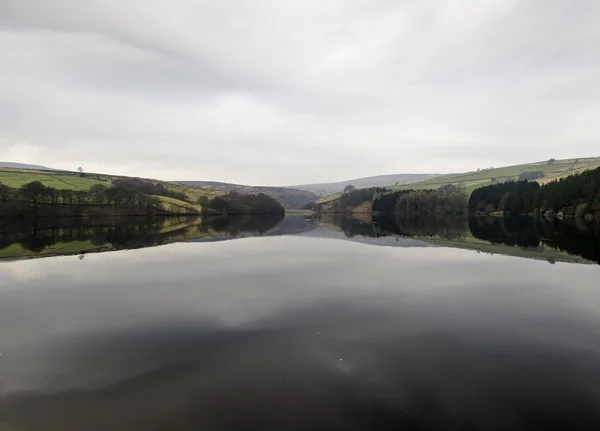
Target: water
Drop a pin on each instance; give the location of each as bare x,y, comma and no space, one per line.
300,324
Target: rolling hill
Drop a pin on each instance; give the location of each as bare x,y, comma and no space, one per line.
545,172
549,170
290,198
325,189
65,180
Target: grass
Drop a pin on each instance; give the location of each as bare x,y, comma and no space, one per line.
329,198
192,193
176,205
15,178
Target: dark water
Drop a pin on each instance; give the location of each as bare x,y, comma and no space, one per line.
300,324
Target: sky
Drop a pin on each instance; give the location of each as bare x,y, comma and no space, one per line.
282,92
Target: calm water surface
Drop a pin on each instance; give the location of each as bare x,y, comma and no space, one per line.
305,330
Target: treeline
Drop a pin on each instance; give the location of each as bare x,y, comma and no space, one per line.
124,197
37,199
575,196
149,188
447,199
235,203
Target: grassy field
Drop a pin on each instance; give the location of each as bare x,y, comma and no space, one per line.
175,205
193,193
329,198
474,180
16,178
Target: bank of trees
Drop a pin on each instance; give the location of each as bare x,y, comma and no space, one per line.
576,196
122,197
450,198
235,203
35,198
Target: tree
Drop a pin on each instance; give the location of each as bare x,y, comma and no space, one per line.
349,188
80,169
34,192
219,204
551,161
80,196
97,193
67,196
4,193
203,200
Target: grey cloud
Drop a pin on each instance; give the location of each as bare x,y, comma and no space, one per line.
286,92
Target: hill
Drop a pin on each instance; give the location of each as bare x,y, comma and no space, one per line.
64,193
546,171
175,198
290,198
361,200
24,166
325,189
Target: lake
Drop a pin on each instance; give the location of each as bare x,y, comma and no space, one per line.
299,323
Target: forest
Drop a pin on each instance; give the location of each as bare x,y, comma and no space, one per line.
235,203
447,199
124,197
576,196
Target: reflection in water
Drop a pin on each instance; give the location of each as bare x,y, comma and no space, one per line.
381,226
528,234
534,237
296,333
573,237
78,235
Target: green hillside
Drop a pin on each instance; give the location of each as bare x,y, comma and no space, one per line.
552,170
15,178
63,180
542,172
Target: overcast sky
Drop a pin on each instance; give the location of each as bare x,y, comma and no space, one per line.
284,92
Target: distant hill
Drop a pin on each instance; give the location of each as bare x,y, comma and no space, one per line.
24,166
324,189
290,198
